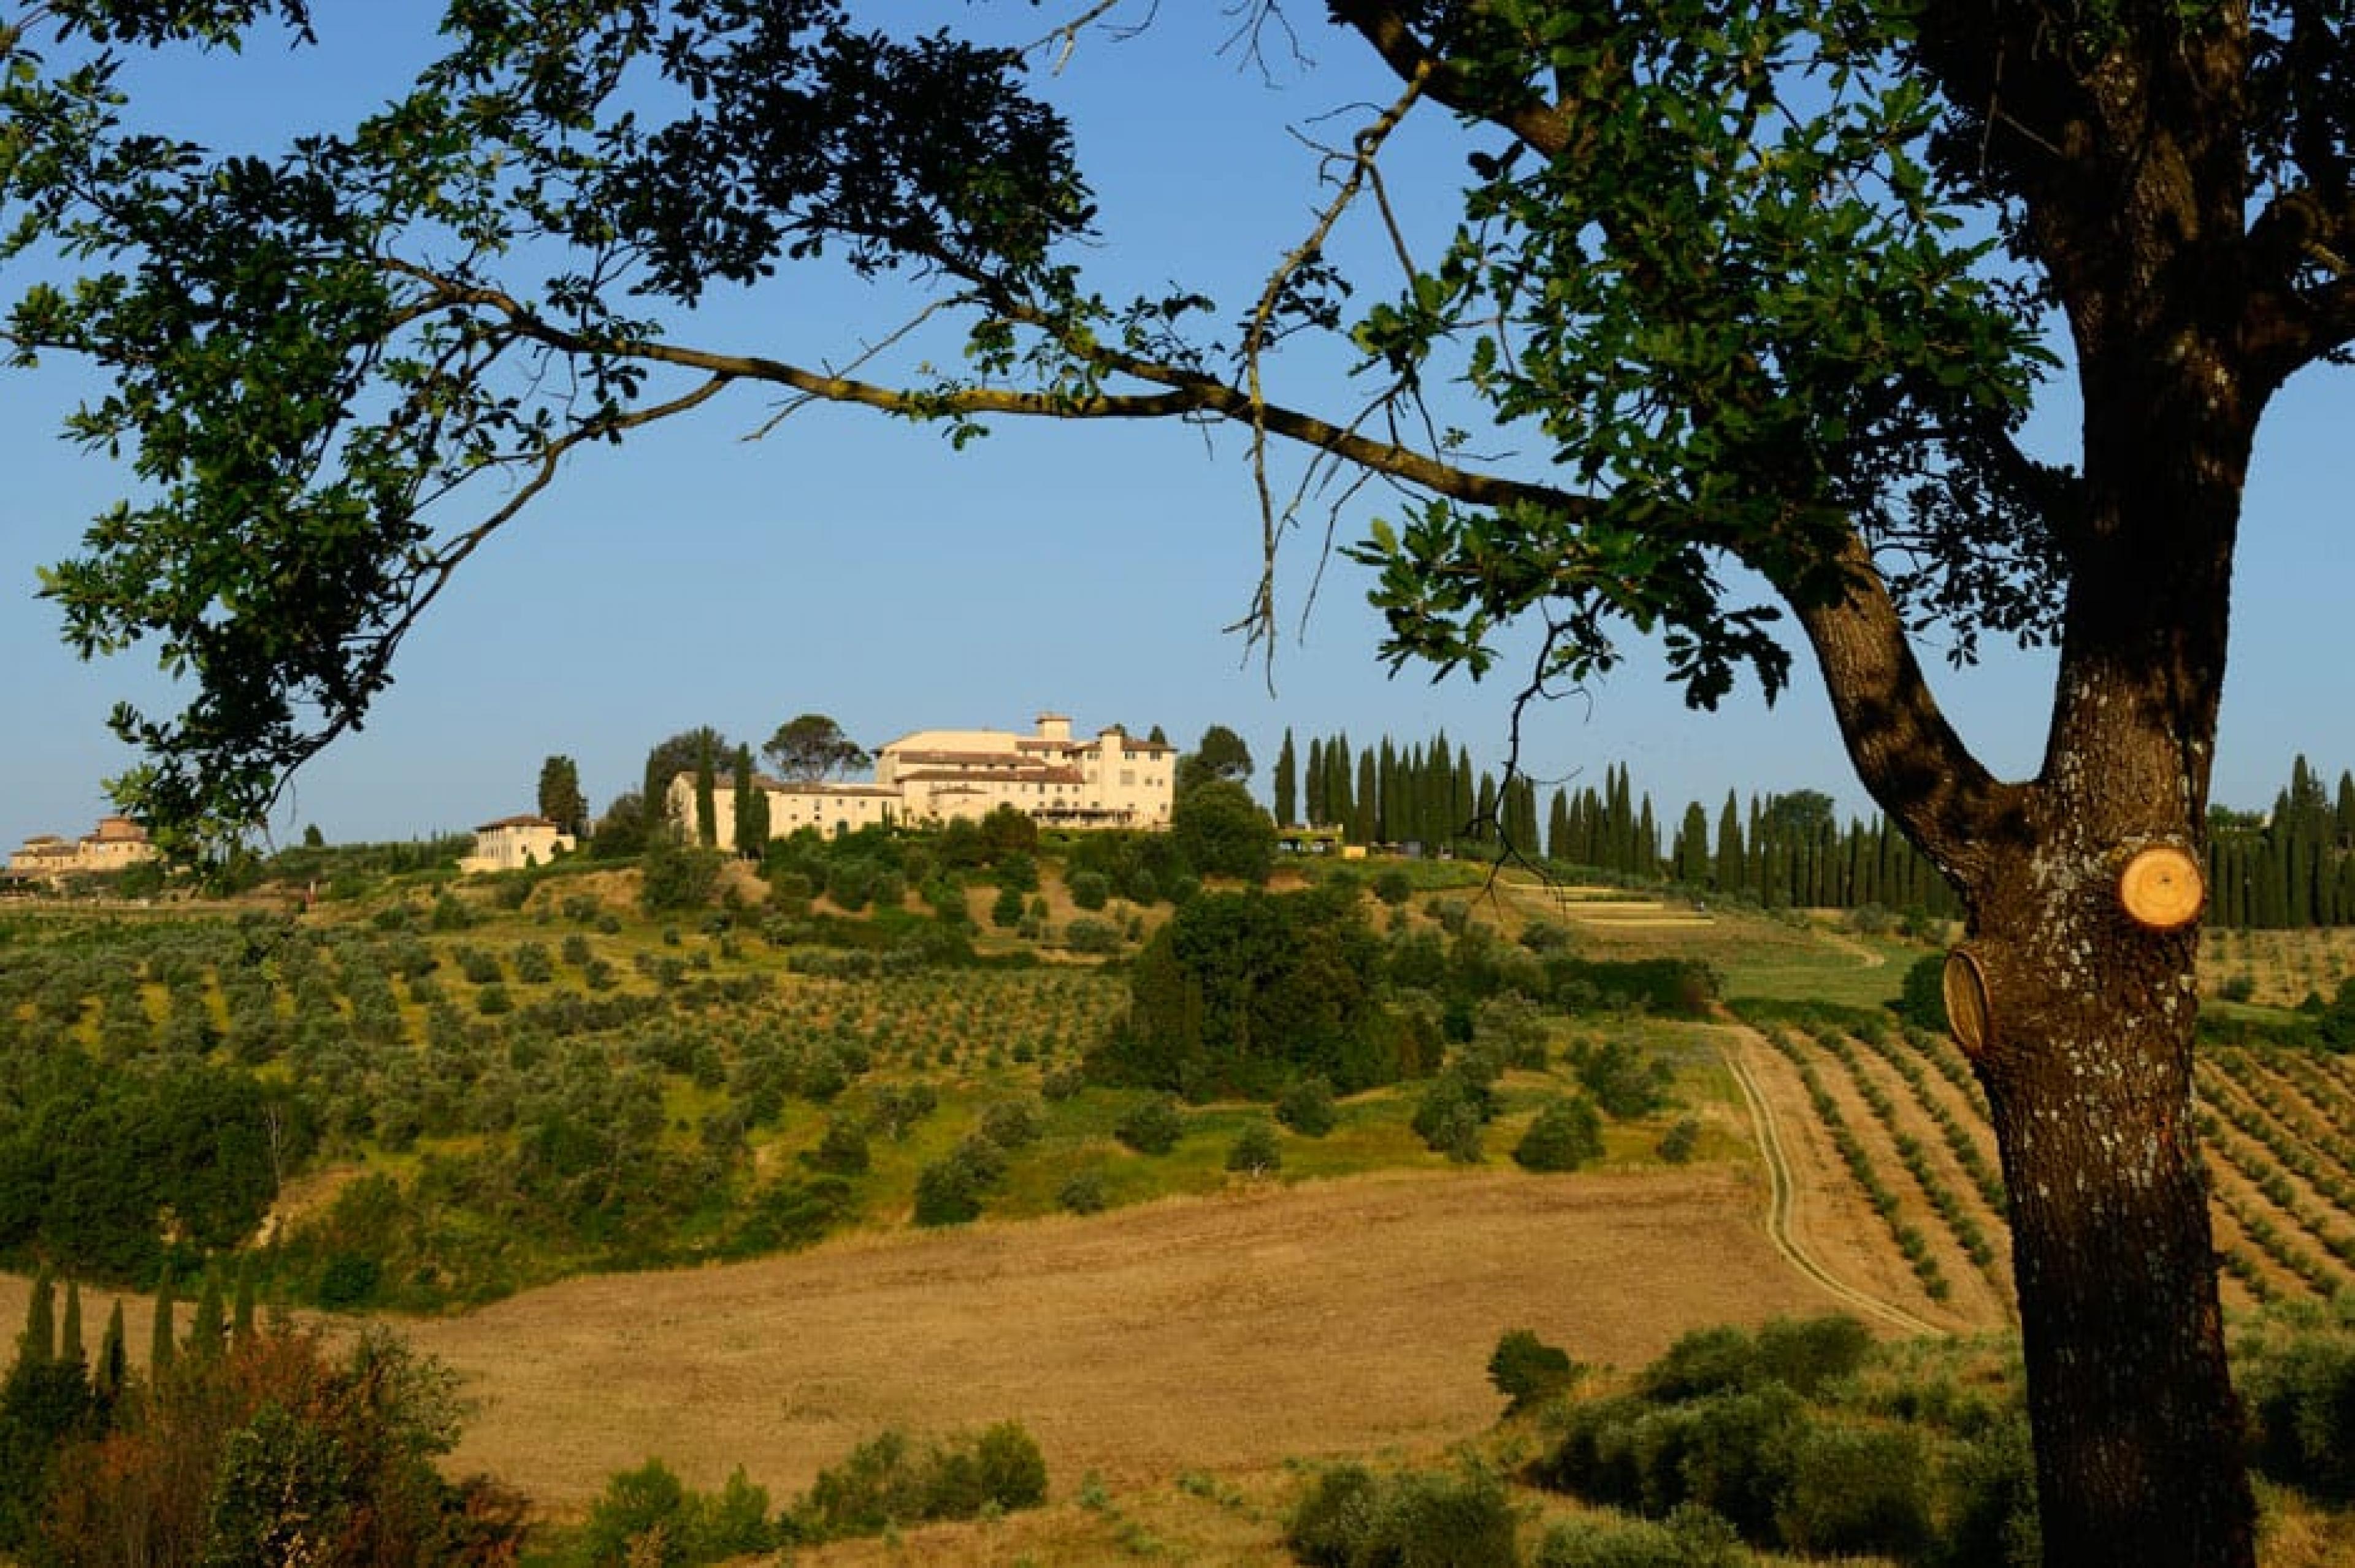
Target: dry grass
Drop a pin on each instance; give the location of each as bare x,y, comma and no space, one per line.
1223,1334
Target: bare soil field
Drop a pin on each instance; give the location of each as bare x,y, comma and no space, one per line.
1224,1334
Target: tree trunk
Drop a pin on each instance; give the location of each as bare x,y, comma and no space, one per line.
2139,1442
2087,1058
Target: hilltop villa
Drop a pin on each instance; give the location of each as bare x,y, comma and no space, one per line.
512,843
117,844
938,775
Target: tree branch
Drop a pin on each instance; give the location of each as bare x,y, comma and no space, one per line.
1543,127
1906,753
2290,326
1190,392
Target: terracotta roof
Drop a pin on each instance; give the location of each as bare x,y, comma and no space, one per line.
526,821
1009,758
780,786
1029,774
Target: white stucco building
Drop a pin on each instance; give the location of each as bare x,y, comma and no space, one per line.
937,775
1111,780
115,845
512,843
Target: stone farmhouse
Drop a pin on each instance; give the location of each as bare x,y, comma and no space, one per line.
117,844
512,843
940,775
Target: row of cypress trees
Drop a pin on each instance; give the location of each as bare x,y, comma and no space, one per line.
1780,850
2292,867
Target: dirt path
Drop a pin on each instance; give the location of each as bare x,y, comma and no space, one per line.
1224,1334
1781,1197
1865,958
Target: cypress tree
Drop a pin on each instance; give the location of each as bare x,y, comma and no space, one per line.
1586,829
38,1345
1753,874
1365,818
1618,847
1312,782
1413,812
207,1330
1287,783
242,1313
1691,863
70,1342
1340,799
707,803
161,1341
1487,812
1729,846
751,809
1464,797
113,1358
1522,791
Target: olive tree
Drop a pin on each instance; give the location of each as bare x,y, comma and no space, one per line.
1772,287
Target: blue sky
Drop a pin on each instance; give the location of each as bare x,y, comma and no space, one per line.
859,567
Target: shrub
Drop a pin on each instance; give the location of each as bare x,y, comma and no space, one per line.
2301,1397
1805,1354
1083,1192
1729,1453
1090,890
1306,1107
1677,1144
948,1192
1856,1490
1448,1117
1625,1080
788,1214
843,1149
1688,1538
1529,1371
1012,1124
1922,997
1354,1519
1566,1135
884,1482
893,1111
1006,909
1511,1028
1994,1519
640,1518
1096,938
851,883
673,876
232,1452
1151,1126
1255,1151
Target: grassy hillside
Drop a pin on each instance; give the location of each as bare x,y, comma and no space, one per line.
476,1091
